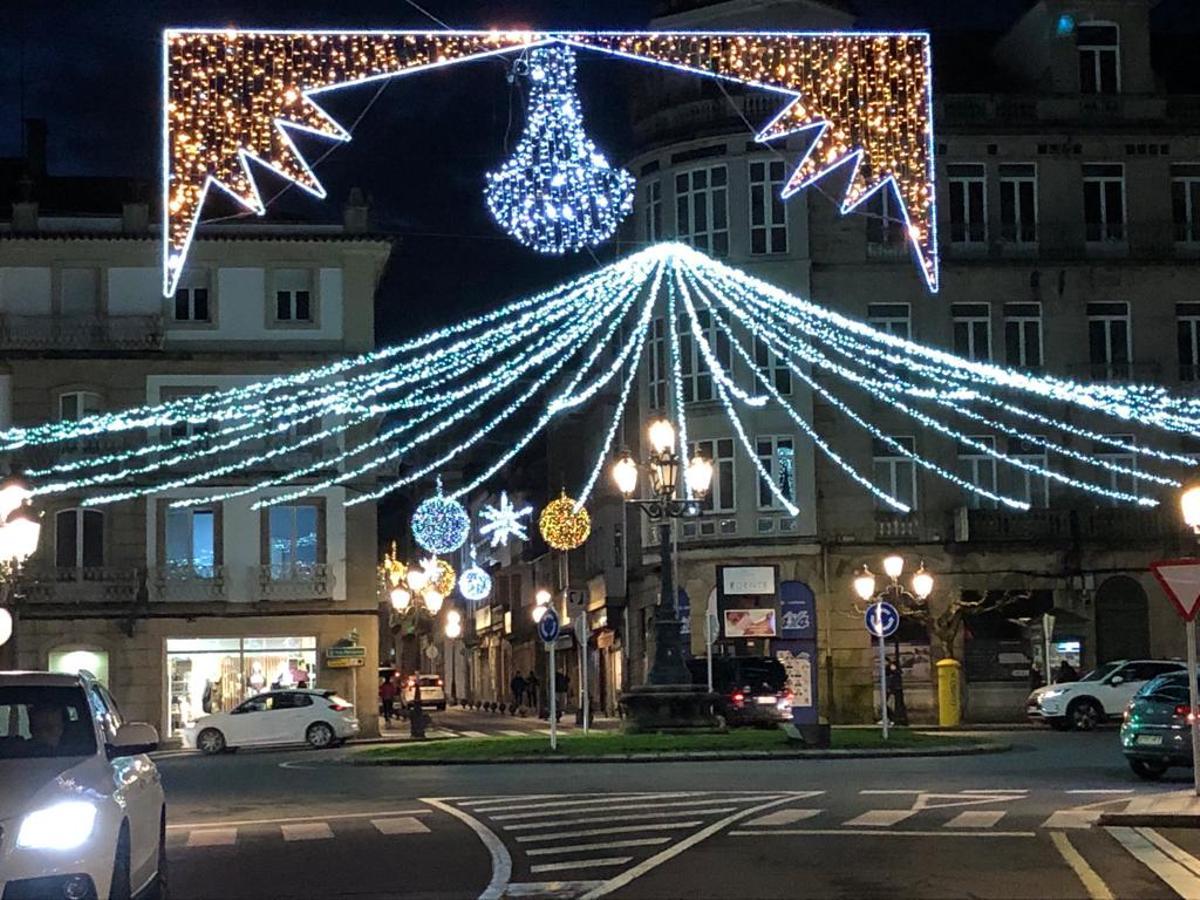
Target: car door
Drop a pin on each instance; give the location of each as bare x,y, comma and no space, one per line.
295,713
248,723
1124,683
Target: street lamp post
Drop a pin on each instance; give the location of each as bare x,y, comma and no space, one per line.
1189,503
414,589
19,533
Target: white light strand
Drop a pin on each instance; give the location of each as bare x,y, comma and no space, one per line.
671,332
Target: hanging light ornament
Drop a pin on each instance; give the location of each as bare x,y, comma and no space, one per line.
440,524
557,193
563,526
439,575
474,583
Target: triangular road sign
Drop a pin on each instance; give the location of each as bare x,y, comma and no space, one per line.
1180,578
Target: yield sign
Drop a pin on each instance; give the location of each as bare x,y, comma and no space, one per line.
1180,578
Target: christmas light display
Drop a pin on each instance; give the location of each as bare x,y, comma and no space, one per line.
557,193
439,574
564,524
475,584
440,524
504,521
233,96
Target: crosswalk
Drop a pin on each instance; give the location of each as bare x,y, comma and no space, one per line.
201,836
441,733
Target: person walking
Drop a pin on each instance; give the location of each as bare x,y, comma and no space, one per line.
518,688
531,691
387,698
1066,672
562,686
894,681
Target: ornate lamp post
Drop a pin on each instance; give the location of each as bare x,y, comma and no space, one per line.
1189,505
19,533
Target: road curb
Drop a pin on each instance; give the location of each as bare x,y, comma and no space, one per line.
1150,820
698,756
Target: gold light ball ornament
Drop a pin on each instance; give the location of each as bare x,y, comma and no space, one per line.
563,526
440,575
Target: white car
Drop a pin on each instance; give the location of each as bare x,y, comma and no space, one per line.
317,718
433,693
82,813
1098,696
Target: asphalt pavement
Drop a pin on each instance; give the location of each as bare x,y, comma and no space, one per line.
295,823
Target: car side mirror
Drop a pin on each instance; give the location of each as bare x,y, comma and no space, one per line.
133,738
1115,680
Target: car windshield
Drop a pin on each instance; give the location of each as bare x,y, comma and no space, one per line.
1173,686
1101,672
45,720
430,681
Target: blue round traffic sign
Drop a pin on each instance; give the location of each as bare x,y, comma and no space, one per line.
547,626
882,619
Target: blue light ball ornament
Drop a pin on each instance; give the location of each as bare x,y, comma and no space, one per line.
475,584
440,524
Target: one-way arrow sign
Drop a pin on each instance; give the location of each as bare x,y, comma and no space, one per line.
1180,578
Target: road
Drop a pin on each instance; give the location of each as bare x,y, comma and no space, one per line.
1020,824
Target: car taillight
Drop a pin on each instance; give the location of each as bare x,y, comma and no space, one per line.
738,697
1182,711
439,682
340,707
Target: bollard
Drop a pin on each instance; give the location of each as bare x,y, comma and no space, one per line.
949,680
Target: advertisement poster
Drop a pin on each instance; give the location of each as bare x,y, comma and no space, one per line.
749,623
797,612
799,668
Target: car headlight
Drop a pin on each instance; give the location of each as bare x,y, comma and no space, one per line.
1050,695
63,826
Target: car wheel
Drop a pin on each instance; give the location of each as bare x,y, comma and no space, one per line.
158,887
121,888
1084,715
1151,771
210,741
319,736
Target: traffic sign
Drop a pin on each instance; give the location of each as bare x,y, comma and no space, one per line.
882,619
1180,579
547,627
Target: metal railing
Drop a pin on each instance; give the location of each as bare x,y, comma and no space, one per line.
295,581
175,583
1080,240
26,332
78,584
977,109
1117,371
1120,525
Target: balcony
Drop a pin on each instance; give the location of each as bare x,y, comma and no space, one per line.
1155,240
22,332
699,118
79,585
994,112
295,581
896,526
1134,372
194,584
1119,525
1001,525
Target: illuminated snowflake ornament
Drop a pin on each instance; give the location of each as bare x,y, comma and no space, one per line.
440,524
557,193
504,522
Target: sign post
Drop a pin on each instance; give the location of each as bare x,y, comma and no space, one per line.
882,621
1180,579
577,603
548,631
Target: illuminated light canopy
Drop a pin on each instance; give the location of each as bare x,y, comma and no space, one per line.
440,524
564,525
504,521
864,98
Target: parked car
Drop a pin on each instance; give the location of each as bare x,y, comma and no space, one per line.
752,690
1157,731
433,693
82,812
317,718
1098,696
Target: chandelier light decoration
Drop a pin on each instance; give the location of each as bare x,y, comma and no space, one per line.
232,99
557,193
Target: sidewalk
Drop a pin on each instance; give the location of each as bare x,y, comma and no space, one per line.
1175,809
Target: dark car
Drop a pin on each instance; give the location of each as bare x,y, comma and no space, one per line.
1157,731
752,689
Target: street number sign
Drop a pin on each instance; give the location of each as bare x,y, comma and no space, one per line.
882,619
1180,579
547,627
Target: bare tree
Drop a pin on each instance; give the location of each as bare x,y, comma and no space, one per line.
945,625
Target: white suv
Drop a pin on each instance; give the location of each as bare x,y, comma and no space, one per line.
82,813
1099,695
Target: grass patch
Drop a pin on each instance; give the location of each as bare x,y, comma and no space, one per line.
616,744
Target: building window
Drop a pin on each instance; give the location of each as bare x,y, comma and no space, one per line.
890,318
697,379
895,473
654,222
1099,58
1023,335
773,366
768,218
658,364
79,292
1018,203
968,203
191,298
293,295
1185,201
886,231
972,330
719,452
1104,202
777,454
1187,318
1029,486
75,405
702,209
79,539
191,542
1118,481
1110,346
293,540
168,393
979,469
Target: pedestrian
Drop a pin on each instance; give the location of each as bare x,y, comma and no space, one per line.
387,697
531,690
894,682
518,688
1035,677
562,686
1066,672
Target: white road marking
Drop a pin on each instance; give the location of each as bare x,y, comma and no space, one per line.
1174,851
1091,880
881,832
599,845
318,818
593,800
307,831
620,817
580,864
1072,818
550,888
1104,791
501,861
976,818
401,825
473,734
212,837
510,733
616,807
875,818
473,802
1178,877
785,817
620,829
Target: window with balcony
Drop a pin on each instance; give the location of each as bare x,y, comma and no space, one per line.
1185,202
702,209
768,217
1187,319
777,454
657,375
654,211
1028,485
1018,203
968,203
75,405
1110,342
895,474
972,330
79,539
294,540
979,469
697,379
887,234
191,303
191,543
773,365
1117,481
1099,48
1104,202
293,296
79,292
719,452
891,318
1023,335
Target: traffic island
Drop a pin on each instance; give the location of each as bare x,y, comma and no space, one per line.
747,744
1176,809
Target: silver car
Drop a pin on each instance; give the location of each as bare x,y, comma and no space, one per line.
1156,733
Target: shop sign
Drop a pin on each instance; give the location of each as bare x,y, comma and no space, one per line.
604,639
483,618
797,612
742,580
345,657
